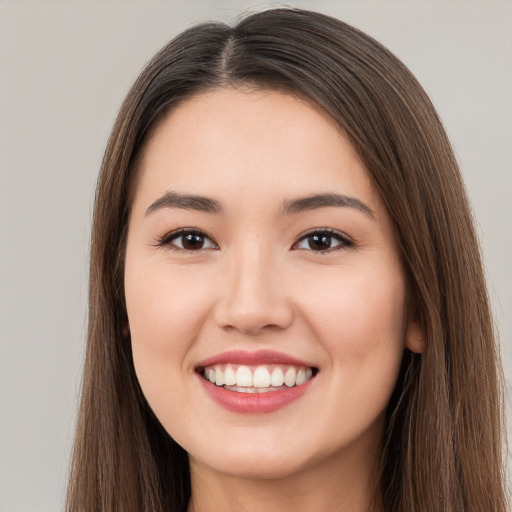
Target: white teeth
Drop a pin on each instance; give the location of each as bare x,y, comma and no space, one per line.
277,377
229,376
257,378
244,376
219,377
261,377
290,377
301,377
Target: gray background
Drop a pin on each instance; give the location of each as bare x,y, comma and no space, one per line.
64,69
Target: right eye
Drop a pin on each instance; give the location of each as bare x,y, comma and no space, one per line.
191,240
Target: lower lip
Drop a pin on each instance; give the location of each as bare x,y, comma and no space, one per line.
254,403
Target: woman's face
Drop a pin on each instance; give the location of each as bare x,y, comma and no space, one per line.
265,296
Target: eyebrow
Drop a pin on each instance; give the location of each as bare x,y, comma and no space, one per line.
313,202
301,204
185,202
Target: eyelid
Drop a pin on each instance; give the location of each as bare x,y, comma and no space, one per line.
167,239
346,241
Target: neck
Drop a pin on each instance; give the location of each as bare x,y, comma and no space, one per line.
337,486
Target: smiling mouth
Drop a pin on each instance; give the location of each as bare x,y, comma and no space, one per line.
256,379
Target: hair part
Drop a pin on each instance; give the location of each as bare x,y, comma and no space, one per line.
442,446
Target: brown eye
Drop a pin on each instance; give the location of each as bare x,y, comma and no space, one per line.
192,241
323,241
319,242
189,240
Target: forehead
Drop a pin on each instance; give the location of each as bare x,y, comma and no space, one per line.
240,141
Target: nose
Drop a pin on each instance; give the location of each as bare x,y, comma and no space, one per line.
253,297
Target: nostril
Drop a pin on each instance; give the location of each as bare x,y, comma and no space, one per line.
253,303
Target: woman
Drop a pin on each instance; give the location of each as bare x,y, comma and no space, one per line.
287,304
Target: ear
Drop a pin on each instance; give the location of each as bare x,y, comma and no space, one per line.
126,330
415,336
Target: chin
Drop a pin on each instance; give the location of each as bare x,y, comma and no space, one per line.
256,464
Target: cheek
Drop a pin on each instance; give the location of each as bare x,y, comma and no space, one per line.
359,318
166,311
165,306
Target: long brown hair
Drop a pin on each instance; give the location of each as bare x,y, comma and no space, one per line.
442,446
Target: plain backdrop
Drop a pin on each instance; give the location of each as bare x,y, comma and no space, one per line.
64,70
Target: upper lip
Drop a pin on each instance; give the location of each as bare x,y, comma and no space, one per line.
259,357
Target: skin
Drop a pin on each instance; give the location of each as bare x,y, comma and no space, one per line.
255,284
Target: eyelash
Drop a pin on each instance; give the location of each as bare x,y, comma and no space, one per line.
166,240
344,242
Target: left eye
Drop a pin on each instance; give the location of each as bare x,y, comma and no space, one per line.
323,241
